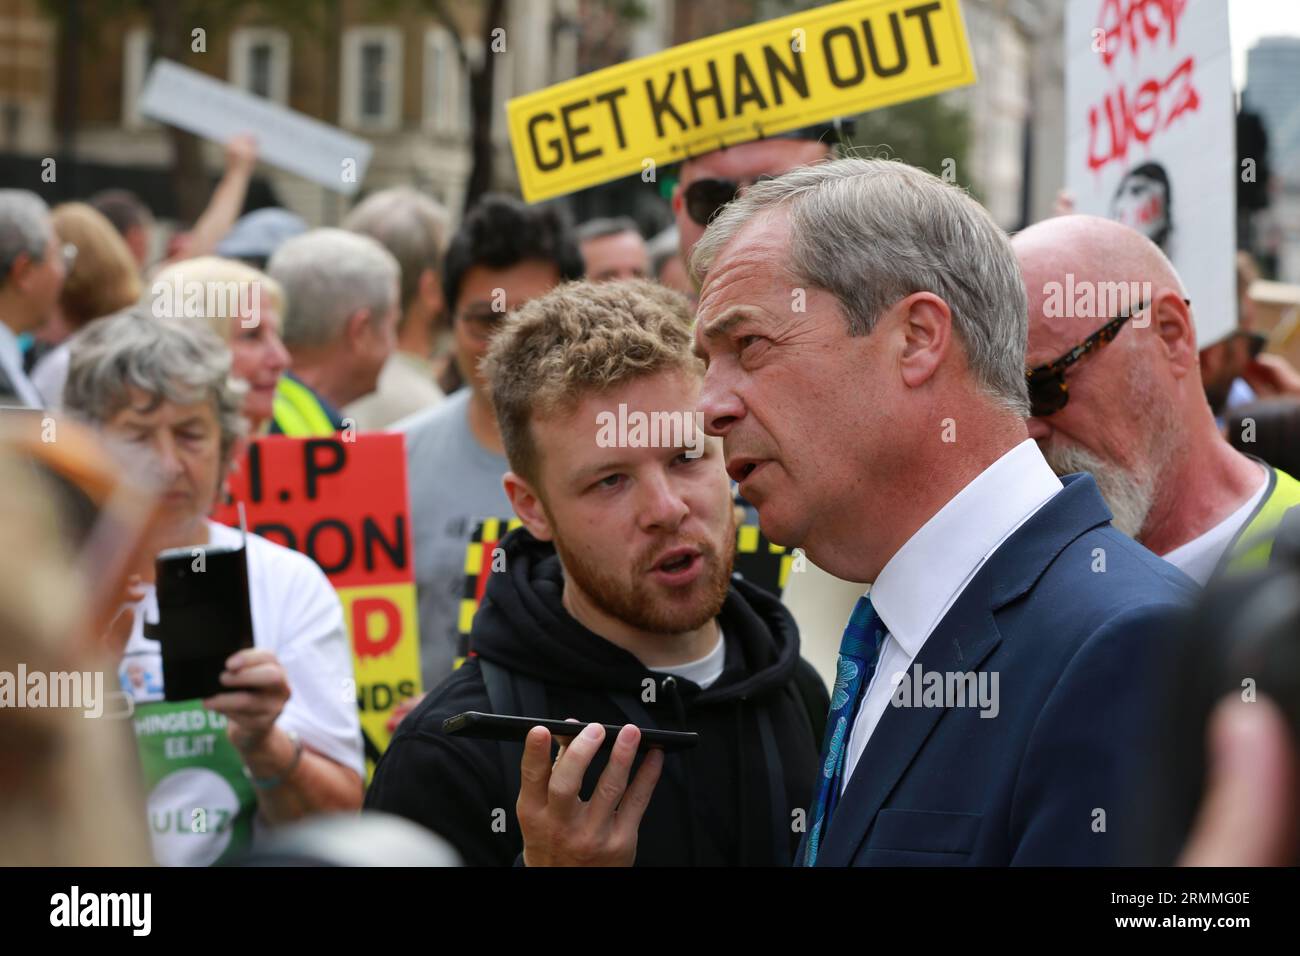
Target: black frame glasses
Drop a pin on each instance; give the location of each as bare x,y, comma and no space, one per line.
1049,392
704,197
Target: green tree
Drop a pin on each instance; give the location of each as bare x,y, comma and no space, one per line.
932,133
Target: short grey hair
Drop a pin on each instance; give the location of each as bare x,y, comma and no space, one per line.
24,227
410,225
874,231
173,360
600,228
328,275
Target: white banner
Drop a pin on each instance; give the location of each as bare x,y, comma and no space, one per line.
196,102
1151,133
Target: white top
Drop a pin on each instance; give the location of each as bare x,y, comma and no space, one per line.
51,374
704,671
928,573
297,615
1199,557
11,360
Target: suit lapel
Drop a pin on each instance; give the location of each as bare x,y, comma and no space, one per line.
964,638
961,642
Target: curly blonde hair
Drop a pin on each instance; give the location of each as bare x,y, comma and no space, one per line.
580,338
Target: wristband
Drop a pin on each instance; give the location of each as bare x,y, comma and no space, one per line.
270,783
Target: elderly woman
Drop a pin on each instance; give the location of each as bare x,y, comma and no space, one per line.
102,279
284,740
243,306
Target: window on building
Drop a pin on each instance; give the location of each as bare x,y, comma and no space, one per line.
259,62
372,78
446,84
137,54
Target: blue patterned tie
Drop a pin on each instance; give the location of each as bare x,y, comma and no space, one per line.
859,650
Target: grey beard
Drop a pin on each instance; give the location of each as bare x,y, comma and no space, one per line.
1129,495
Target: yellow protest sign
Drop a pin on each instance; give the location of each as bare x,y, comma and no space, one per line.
344,504
761,80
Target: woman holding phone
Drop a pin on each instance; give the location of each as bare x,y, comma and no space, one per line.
283,740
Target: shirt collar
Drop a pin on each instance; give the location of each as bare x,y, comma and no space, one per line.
926,575
11,360
10,354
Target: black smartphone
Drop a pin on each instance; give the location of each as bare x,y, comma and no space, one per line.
503,727
204,616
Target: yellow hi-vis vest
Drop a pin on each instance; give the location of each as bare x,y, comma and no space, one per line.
297,412
1253,545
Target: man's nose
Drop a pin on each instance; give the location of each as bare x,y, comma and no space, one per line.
719,404
662,506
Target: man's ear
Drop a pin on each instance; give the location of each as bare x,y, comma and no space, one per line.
1171,320
527,505
356,327
21,272
926,326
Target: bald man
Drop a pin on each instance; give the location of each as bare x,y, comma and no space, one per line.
1115,388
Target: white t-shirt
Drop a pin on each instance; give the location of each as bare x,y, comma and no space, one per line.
200,807
1199,557
704,671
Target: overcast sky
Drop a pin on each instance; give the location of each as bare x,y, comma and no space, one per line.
1248,20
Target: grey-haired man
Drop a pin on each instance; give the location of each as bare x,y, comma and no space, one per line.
32,270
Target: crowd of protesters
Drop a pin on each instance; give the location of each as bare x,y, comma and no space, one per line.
1095,480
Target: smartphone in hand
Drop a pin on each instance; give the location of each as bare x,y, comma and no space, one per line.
508,728
204,616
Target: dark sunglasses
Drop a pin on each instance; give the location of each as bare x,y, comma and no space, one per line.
1048,390
704,197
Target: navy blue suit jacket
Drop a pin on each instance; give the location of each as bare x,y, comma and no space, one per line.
1076,650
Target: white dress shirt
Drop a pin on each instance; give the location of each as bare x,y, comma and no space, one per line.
11,360
928,573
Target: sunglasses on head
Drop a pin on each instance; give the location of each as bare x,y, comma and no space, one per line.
1048,390
704,197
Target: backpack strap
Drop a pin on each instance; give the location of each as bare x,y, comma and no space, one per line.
518,696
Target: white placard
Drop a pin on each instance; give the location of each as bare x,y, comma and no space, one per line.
1150,136
217,111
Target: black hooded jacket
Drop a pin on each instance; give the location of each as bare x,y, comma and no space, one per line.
738,798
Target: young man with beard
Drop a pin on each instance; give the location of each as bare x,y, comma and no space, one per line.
616,605
1131,408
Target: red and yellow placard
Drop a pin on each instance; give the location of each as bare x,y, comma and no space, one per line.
344,504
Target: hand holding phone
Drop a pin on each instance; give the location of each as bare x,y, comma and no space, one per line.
256,690
558,827
510,728
204,617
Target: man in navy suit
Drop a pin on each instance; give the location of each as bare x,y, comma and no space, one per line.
864,326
